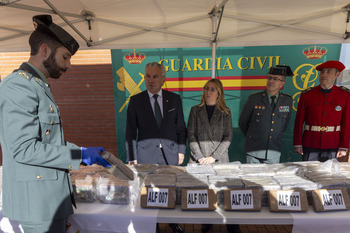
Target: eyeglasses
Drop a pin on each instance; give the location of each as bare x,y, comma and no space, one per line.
210,89
274,78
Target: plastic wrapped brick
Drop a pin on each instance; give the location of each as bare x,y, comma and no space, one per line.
83,182
256,170
142,170
83,189
195,168
176,170
187,181
227,168
221,185
113,190
159,180
290,170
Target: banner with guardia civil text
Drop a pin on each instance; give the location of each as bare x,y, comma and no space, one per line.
242,71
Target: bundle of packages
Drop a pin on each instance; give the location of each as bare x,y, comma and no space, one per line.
262,183
195,168
156,180
84,183
221,183
190,181
141,170
110,189
96,183
232,168
260,169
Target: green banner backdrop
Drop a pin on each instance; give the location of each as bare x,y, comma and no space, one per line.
241,69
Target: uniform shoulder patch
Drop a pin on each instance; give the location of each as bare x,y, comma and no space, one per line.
307,89
345,89
286,95
24,74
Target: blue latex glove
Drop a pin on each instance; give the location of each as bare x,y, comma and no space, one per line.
91,156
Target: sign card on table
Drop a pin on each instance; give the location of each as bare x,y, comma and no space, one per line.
330,199
155,197
288,200
198,199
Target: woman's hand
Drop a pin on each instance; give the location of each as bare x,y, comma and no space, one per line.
207,160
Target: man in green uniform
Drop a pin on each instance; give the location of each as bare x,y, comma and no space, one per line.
264,118
37,190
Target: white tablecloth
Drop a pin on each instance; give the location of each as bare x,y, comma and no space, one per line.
102,218
321,222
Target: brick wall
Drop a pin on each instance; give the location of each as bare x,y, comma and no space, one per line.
86,102
11,61
84,95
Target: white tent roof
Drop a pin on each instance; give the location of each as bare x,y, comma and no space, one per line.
179,23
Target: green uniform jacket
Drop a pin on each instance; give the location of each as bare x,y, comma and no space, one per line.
263,128
36,159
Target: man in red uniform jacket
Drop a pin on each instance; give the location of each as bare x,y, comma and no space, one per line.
323,113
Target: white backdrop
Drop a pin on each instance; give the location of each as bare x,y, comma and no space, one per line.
180,23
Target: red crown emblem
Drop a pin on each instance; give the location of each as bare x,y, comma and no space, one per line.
314,52
134,58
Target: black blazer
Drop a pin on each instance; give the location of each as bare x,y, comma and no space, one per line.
143,136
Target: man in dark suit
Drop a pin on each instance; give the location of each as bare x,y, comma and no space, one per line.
264,118
155,126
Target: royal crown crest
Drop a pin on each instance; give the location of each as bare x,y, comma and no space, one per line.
134,57
314,52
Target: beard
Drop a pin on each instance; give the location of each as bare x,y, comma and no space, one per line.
52,68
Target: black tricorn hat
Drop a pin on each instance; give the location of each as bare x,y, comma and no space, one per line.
44,24
281,70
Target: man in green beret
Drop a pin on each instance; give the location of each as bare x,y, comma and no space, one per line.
37,190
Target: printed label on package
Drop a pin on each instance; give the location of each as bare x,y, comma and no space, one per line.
332,199
241,199
288,200
197,199
157,197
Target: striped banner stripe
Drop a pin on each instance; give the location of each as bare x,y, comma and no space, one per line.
229,83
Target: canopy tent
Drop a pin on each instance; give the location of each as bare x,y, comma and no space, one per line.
181,23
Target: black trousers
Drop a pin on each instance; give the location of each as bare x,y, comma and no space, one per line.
315,154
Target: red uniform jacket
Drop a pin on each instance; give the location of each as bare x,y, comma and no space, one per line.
320,112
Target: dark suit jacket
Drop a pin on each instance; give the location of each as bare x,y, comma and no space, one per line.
262,127
143,136
209,138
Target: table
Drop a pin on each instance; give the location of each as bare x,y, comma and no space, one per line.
311,221
108,218
221,216
103,218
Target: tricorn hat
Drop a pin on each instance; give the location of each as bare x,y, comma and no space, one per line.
281,70
44,24
331,64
